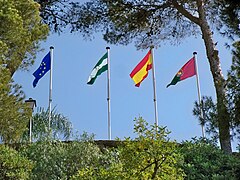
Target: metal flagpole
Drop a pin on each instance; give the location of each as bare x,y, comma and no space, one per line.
108,94
50,88
199,94
154,89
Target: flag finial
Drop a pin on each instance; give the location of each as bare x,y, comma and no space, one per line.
107,47
194,53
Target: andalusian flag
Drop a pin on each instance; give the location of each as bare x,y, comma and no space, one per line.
140,72
188,70
98,69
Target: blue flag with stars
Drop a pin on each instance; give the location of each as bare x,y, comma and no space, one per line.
44,67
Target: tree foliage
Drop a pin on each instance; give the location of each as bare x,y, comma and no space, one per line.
14,114
21,31
60,126
150,22
234,89
209,120
204,160
55,13
230,15
13,165
60,160
149,156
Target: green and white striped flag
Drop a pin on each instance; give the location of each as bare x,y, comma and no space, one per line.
98,69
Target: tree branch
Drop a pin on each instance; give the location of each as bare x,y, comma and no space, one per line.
155,169
148,166
185,13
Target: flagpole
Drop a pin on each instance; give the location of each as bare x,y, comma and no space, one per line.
154,89
108,94
199,94
50,89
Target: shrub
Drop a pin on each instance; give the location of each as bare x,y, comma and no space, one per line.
204,160
13,165
151,155
60,160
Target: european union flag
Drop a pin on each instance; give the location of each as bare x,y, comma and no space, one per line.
44,67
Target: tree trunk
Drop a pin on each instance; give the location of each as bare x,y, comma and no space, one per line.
219,81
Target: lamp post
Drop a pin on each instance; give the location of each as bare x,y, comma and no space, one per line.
32,104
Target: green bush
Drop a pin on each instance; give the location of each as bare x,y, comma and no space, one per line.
60,160
204,160
151,155
13,165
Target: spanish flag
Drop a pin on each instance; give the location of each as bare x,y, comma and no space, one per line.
140,72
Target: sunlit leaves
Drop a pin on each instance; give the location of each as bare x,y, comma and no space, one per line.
149,156
13,165
14,113
21,31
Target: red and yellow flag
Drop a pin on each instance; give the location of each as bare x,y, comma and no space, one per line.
140,72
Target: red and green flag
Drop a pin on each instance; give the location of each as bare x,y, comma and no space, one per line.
188,70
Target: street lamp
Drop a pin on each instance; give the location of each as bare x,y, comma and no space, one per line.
31,104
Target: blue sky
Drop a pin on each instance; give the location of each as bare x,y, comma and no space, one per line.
86,105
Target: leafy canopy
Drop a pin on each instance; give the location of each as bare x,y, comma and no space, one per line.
148,22
21,31
61,160
13,165
149,156
14,113
204,160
